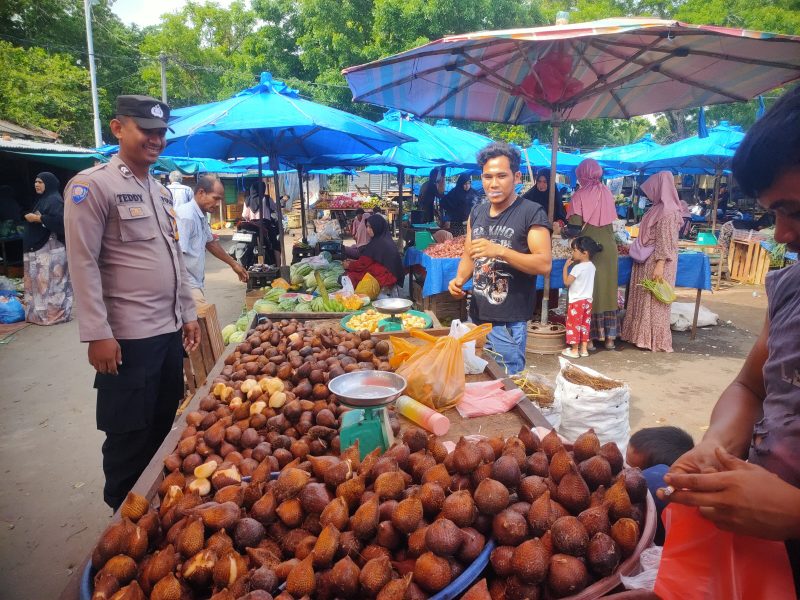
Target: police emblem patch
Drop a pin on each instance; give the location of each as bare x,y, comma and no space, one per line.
156,111
79,193
124,170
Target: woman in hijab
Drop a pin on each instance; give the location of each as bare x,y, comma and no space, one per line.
48,289
382,249
646,321
540,193
593,208
429,193
457,204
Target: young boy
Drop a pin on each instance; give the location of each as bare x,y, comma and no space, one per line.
653,450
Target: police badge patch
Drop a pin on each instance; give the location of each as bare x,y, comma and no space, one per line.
79,193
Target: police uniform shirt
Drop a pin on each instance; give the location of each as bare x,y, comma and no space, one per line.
124,257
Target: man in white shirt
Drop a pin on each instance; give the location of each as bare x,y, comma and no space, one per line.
196,237
181,194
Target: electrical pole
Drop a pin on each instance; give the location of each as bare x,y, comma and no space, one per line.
162,58
98,136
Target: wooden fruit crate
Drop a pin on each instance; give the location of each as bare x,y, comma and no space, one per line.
200,362
748,261
443,305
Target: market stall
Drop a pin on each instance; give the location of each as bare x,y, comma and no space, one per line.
252,489
694,271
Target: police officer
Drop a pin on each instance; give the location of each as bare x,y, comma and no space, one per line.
134,304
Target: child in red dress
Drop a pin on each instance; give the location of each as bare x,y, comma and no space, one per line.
580,281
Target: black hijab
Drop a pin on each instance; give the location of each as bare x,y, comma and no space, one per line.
50,205
257,191
457,203
382,249
543,198
428,195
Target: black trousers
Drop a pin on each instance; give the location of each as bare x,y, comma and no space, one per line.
136,408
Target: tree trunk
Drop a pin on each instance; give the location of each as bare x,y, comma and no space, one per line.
677,123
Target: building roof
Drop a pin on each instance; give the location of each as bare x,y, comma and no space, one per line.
12,145
7,128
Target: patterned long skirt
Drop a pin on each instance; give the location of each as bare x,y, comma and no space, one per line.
48,289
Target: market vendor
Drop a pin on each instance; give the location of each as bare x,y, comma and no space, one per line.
507,246
379,257
457,204
258,199
132,293
757,418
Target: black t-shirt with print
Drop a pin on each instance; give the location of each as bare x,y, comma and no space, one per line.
499,291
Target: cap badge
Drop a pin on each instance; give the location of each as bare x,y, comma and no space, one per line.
157,112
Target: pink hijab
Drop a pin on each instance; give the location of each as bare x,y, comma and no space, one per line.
593,201
660,188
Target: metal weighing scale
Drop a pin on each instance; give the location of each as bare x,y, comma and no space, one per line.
392,307
368,393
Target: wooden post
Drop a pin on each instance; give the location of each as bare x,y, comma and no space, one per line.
717,177
261,251
273,163
551,205
401,175
696,312
303,218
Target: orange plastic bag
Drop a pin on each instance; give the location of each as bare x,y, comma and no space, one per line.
435,372
702,562
402,350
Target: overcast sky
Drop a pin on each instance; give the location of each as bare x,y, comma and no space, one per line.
148,12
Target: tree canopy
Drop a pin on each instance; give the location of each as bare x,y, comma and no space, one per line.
212,52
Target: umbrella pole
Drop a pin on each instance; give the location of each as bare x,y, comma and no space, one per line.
401,175
717,177
308,204
551,207
530,168
273,161
261,251
302,202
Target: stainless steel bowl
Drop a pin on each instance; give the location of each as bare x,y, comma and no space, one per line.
362,389
392,306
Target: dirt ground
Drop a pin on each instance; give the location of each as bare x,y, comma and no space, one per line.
51,506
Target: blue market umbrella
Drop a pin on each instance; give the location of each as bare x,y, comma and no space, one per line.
627,159
539,156
710,155
270,119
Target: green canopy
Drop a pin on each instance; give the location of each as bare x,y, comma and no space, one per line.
74,162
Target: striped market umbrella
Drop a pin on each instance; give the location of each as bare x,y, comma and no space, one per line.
615,68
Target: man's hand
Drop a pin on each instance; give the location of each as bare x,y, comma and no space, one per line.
105,356
700,459
33,218
240,271
191,336
483,248
742,498
455,288
658,272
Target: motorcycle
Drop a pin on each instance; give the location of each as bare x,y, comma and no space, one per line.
245,244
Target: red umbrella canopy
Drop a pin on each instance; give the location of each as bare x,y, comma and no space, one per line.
609,68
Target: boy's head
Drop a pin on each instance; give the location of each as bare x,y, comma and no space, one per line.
657,446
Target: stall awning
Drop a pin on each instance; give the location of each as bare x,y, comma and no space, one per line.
72,161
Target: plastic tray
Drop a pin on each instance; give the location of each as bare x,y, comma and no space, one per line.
416,313
468,577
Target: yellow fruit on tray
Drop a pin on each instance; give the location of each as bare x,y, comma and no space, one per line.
369,320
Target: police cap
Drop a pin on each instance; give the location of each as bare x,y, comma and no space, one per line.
147,112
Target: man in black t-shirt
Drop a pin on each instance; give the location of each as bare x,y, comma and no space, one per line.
507,246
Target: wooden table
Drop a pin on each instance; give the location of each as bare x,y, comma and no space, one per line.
506,424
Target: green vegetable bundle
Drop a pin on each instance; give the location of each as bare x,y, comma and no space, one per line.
661,290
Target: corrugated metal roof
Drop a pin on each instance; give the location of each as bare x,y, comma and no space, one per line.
15,129
31,146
